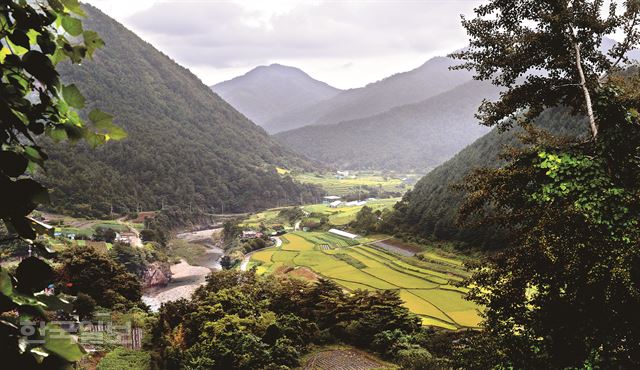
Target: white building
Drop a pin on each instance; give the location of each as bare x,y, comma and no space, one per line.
335,204
343,234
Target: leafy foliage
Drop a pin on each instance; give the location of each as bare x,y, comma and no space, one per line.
562,38
86,270
35,37
35,102
241,321
570,208
430,210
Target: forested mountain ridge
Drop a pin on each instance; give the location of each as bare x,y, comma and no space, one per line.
416,136
431,208
267,91
185,144
428,80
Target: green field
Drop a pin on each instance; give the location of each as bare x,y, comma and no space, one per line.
345,186
344,215
428,292
337,216
267,218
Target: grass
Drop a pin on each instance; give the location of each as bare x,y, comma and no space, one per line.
346,186
297,243
267,218
121,358
343,215
194,254
427,292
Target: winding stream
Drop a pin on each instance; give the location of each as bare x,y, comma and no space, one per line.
185,277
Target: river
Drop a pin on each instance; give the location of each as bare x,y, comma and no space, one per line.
186,278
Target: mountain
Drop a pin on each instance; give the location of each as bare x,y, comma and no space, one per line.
416,136
428,80
266,91
186,146
431,208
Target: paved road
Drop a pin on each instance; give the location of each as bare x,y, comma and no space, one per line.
247,257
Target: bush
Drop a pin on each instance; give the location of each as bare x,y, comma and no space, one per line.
416,359
121,358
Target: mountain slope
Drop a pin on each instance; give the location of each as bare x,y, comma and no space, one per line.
411,137
185,146
428,80
267,91
431,208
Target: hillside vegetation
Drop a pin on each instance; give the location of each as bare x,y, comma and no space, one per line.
431,208
412,137
266,91
185,145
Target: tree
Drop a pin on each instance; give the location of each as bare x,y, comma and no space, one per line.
84,305
86,270
546,54
132,258
226,262
366,220
35,37
105,234
570,208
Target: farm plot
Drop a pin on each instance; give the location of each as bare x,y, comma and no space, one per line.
343,359
346,186
343,215
297,243
428,293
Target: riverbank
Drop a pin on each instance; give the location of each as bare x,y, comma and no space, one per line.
186,278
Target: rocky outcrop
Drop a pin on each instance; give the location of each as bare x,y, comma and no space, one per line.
158,274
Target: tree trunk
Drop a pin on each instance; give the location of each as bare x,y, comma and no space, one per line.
585,91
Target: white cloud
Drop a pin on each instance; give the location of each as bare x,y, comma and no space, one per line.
345,43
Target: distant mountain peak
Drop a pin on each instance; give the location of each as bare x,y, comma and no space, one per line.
269,90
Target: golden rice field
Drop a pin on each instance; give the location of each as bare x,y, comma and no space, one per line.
428,291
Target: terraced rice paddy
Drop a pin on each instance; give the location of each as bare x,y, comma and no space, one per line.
428,290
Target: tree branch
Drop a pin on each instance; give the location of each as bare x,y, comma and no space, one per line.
585,91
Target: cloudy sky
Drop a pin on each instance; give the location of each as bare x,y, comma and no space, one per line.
347,43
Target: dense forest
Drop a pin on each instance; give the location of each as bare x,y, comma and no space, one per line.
431,208
411,137
185,145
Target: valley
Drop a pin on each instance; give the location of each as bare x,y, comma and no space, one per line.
319,185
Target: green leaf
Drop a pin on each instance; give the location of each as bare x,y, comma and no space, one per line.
60,343
104,122
33,275
3,53
73,6
40,67
20,38
72,25
72,96
33,36
57,134
100,119
12,164
6,285
92,41
24,301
